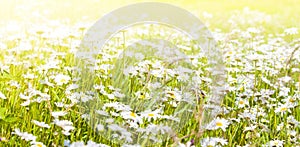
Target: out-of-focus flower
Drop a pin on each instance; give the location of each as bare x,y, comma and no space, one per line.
3,139
2,96
61,79
276,143
291,31
213,141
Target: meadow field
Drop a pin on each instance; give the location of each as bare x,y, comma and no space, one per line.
133,93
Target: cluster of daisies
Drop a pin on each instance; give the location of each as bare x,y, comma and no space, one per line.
137,93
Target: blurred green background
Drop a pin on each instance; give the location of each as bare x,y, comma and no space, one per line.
22,12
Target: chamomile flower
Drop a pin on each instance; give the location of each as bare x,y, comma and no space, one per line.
61,79
282,108
142,95
24,135
37,144
276,143
241,103
100,127
213,141
124,133
72,87
57,114
130,115
101,112
14,84
247,114
218,123
291,31
29,76
66,125
128,145
250,128
78,144
151,114
26,103
174,95
41,124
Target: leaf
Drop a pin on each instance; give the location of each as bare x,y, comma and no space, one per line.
11,119
6,75
2,113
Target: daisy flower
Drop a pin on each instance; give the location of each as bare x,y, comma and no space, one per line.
213,141
100,127
218,123
58,114
151,114
41,124
282,108
24,135
276,143
37,144
291,31
66,125
61,79
241,103
130,115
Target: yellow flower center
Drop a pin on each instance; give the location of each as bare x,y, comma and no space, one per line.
282,59
219,124
142,96
63,80
133,114
151,114
291,100
242,88
171,94
241,102
283,109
